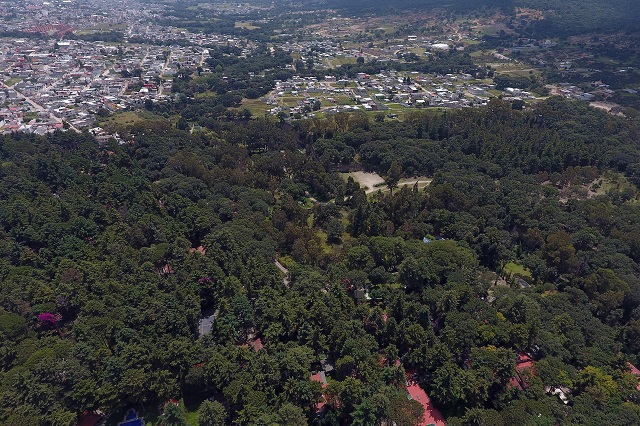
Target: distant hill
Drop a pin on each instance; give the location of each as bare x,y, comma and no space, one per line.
563,17
568,17
383,6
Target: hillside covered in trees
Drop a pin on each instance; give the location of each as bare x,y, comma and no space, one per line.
561,18
525,244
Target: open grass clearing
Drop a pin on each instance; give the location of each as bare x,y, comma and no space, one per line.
290,101
205,95
12,81
341,60
124,118
487,30
388,29
128,118
101,28
256,106
246,25
512,268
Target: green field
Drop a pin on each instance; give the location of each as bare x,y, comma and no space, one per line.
513,268
290,101
127,118
101,28
205,95
246,25
256,106
487,30
388,29
12,81
341,60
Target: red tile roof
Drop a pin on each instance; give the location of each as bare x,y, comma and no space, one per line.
88,418
523,363
317,377
257,344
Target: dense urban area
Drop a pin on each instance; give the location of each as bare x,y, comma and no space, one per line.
326,212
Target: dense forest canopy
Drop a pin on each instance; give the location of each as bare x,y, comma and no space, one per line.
524,244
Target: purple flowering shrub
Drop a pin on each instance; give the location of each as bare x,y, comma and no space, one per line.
47,318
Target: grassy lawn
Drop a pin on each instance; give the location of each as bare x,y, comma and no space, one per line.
523,72
287,261
205,95
487,30
100,28
290,101
610,181
12,81
388,29
513,268
395,108
342,100
341,60
326,247
484,55
256,106
246,25
191,406
127,118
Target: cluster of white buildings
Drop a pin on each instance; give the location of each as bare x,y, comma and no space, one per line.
378,92
72,80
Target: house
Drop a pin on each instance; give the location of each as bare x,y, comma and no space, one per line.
523,364
322,378
90,418
560,392
254,342
206,322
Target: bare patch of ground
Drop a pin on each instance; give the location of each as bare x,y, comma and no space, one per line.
372,182
367,180
610,107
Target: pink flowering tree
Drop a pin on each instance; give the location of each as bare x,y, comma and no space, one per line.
48,320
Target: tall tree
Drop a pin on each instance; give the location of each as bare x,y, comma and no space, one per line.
393,176
211,413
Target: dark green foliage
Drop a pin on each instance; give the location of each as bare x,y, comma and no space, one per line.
211,413
123,248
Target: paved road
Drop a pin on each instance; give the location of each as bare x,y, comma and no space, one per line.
164,68
284,270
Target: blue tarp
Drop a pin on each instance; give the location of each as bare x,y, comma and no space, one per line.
132,419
